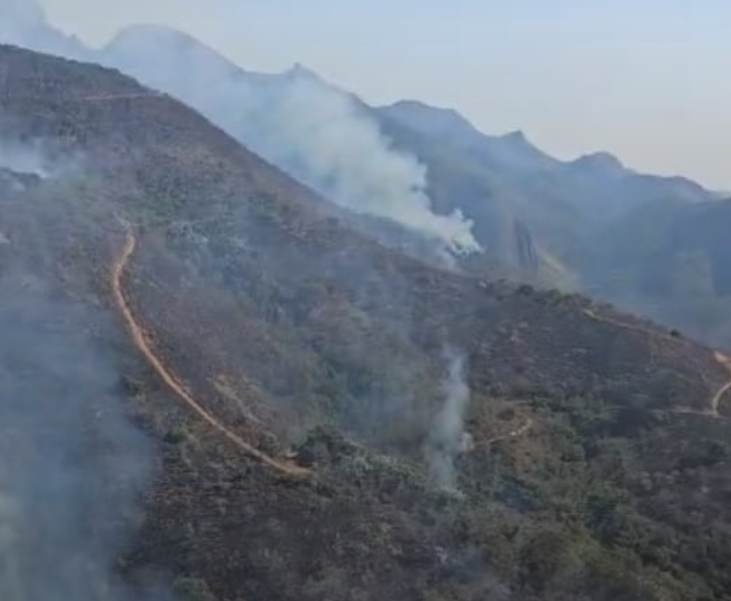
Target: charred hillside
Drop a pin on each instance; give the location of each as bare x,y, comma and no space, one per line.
577,458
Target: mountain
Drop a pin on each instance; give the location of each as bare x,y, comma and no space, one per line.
593,188
511,151
302,412
322,136
671,262
451,190
646,243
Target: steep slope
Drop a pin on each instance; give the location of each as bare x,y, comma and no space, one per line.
512,151
424,180
592,189
322,136
587,432
649,244
671,262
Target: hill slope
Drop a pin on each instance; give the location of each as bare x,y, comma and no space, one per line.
426,181
468,439
538,219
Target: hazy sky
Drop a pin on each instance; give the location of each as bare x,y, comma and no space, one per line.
649,80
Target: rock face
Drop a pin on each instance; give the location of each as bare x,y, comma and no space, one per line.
590,430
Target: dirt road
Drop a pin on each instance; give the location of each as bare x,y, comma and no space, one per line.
720,357
143,343
724,360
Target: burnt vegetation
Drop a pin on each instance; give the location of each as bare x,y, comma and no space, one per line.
596,470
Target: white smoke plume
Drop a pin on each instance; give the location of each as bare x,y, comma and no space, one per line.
23,23
317,133
72,468
24,158
448,438
324,138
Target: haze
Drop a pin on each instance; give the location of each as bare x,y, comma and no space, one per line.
646,81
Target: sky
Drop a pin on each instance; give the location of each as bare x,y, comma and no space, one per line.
648,80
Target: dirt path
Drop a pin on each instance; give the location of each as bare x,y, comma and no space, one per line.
725,361
143,344
721,358
129,96
628,326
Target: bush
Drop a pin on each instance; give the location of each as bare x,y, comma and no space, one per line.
193,589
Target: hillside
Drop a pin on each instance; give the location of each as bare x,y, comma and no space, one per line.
671,262
321,136
649,244
467,438
537,219
450,188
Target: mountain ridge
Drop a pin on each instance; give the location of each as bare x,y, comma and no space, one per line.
590,429
461,192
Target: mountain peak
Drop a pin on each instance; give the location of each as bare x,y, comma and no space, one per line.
436,120
147,32
517,137
300,71
599,161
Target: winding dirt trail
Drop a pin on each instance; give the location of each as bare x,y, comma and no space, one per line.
725,361
720,358
143,344
590,313
128,96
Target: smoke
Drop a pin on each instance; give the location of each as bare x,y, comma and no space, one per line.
21,158
24,158
20,16
23,23
323,138
71,467
317,133
448,438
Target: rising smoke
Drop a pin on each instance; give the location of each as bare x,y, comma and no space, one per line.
23,23
24,158
320,135
448,438
325,139
72,468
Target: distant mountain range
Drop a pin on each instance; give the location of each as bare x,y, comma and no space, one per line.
463,189
460,438
217,383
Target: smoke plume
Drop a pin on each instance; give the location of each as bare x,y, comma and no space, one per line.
23,158
317,133
325,139
448,438
320,135
23,23
72,468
